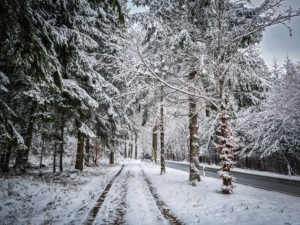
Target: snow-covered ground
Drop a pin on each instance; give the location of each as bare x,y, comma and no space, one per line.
64,199
205,204
69,198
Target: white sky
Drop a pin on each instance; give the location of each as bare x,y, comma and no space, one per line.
277,42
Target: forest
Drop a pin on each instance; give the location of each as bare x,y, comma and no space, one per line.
82,80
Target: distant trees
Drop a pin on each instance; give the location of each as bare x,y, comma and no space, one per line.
272,129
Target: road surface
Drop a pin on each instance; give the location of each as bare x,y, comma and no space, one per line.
265,182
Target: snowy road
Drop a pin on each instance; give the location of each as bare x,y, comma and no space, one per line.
130,201
284,185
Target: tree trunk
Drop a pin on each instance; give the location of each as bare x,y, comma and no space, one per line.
125,150
87,151
131,149
4,160
154,144
28,139
80,148
112,157
61,148
54,158
22,155
225,146
135,152
80,152
42,151
194,139
96,156
162,135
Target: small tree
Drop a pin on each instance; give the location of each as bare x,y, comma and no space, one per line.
226,146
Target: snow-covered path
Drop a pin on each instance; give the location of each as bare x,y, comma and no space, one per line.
129,200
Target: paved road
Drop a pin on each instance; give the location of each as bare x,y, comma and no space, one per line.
270,183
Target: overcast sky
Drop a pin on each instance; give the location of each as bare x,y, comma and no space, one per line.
277,42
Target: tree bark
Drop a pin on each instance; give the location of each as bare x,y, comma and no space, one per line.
136,149
28,139
194,139
4,159
162,134
22,155
62,128
112,157
131,149
154,144
80,147
54,158
87,151
42,151
125,150
80,152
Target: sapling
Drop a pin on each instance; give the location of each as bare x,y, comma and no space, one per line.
226,146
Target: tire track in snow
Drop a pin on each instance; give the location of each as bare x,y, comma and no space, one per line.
141,206
94,211
114,207
160,204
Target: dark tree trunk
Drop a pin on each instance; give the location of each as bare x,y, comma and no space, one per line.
154,144
61,148
28,139
42,151
4,159
112,157
22,155
87,152
135,152
96,157
194,139
80,147
54,158
80,152
162,134
125,150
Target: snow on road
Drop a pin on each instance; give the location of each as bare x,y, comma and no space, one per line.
141,205
130,201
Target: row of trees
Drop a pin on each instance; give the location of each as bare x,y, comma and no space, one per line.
203,53
55,80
